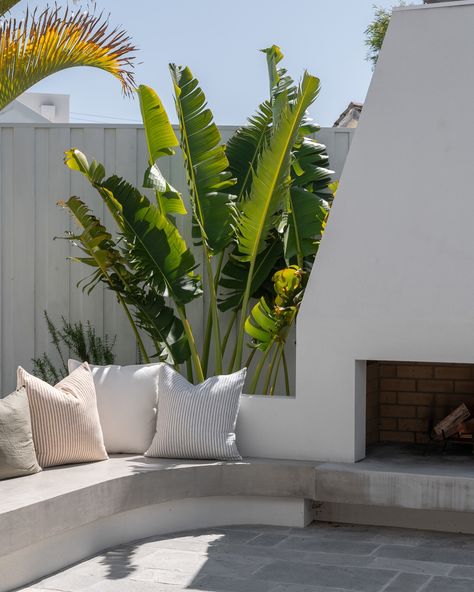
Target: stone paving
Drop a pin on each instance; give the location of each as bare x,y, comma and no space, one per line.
320,558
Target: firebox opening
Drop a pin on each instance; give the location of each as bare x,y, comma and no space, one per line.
429,404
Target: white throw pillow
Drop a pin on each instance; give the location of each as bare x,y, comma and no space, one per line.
197,422
126,400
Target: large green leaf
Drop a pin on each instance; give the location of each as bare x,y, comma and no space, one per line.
55,39
271,179
308,204
235,274
207,168
149,307
280,81
160,136
157,249
161,141
246,145
306,220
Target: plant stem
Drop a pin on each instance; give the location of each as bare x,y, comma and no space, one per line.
270,371
229,331
141,345
258,370
241,331
285,369
250,358
189,371
207,341
277,369
211,324
192,343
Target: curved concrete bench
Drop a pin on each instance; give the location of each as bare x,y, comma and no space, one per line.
62,515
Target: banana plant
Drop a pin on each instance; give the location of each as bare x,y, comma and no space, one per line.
43,43
268,325
258,208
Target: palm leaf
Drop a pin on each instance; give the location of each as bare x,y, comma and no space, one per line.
207,168
6,5
245,147
262,325
54,40
271,178
279,80
149,308
161,141
235,275
306,220
157,249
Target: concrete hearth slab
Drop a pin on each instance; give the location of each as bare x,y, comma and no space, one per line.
402,485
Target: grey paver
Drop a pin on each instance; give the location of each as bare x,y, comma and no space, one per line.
462,571
407,582
353,578
267,539
412,566
440,584
328,546
322,558
220,583
423,553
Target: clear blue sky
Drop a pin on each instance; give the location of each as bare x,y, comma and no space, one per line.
219,41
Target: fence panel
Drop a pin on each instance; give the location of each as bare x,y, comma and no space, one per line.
34,272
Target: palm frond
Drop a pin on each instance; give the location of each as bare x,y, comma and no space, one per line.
6,5
42,44
161,141
245,147
271,178
207,167
149,307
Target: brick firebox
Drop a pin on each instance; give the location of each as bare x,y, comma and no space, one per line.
405,398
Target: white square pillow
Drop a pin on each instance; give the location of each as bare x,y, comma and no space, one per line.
197,422
126,400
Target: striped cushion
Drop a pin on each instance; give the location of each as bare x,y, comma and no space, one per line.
64,418
197,422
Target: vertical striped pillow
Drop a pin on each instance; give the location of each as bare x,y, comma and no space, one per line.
64,418
197,422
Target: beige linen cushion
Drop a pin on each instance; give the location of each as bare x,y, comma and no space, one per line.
64,418
17,451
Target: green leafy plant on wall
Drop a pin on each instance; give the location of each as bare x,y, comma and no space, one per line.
72,339
258,206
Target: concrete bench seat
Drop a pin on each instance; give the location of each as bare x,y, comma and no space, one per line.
62,515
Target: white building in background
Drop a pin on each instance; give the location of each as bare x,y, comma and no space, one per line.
37,108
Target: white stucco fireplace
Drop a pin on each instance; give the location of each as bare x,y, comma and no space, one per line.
394,278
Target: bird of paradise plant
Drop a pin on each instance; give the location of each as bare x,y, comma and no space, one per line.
43,43
258,207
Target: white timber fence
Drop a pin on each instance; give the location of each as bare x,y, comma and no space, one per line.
35,275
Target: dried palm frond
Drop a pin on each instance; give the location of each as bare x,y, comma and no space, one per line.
5,5
40,45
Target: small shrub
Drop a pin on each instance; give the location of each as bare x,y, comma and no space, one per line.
76,340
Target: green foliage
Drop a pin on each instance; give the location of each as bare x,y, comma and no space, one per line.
258,210
375,32
73,340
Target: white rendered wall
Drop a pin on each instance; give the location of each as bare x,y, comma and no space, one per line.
394,278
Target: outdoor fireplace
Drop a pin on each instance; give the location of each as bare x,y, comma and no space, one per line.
419,403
